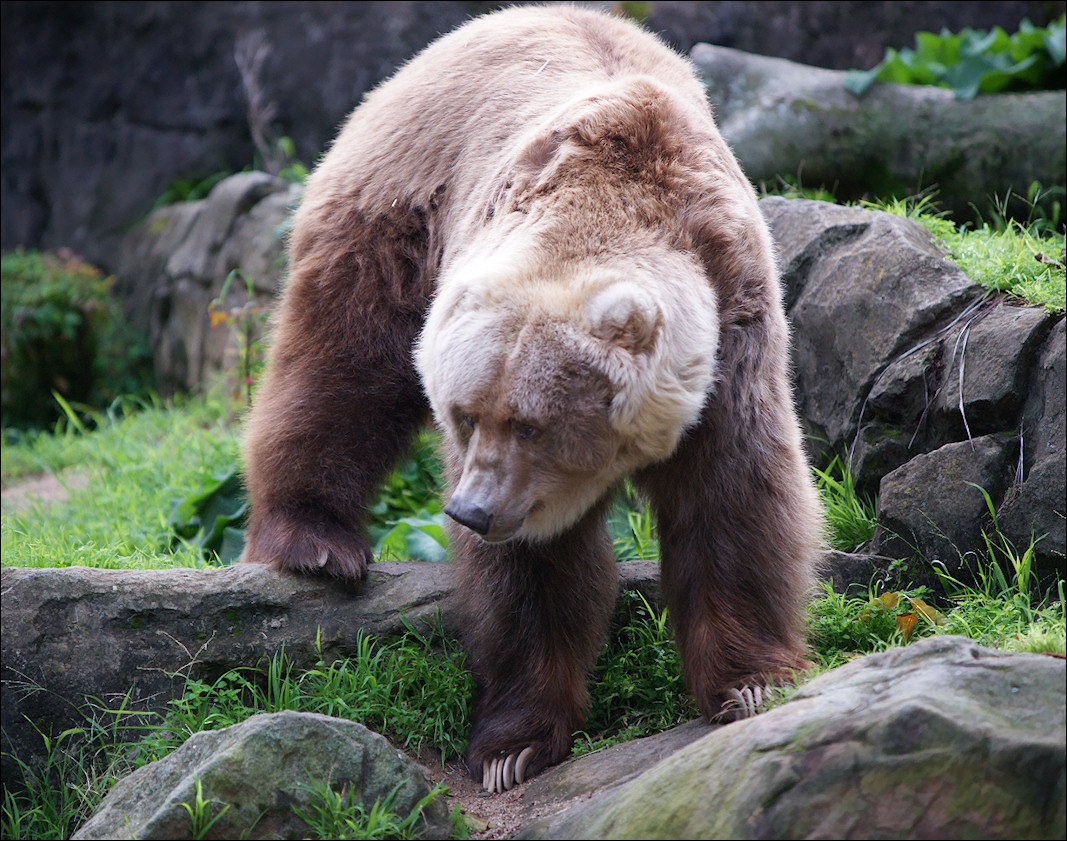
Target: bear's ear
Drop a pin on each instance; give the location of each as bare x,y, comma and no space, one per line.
624,315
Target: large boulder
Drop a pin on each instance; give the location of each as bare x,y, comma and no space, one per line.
783,118
939,739
256,775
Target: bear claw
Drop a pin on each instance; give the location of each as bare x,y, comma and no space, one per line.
741,703
502,773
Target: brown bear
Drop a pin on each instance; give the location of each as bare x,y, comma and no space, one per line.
535,230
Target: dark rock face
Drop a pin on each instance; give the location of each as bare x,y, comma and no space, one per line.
105,104
926,385
839,35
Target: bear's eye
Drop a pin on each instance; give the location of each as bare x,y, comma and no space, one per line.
527,432
467,421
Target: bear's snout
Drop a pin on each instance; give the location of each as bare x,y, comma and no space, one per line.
470,515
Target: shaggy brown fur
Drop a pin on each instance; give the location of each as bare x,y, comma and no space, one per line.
567,140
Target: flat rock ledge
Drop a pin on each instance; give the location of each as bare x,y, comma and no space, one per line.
76,635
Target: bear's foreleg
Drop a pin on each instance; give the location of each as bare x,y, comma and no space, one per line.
341,398
535,617
738,523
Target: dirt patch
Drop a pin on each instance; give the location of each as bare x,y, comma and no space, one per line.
490,816
45,489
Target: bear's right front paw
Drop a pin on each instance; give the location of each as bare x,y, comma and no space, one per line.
502,773
308,548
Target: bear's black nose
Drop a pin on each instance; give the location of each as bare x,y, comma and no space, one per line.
471,516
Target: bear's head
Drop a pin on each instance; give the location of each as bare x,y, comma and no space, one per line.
550,384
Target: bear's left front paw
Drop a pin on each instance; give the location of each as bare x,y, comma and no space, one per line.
502,773
739,703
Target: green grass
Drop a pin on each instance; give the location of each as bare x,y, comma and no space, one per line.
1025,262
135,465
850,518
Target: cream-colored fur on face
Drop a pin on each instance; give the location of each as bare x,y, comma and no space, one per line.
648,325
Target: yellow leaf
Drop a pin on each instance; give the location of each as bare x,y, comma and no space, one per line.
906,623
887,601
928,612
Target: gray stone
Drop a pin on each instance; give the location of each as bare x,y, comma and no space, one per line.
993,355
176,262
803,233
914,405
780,117
870,287
939,739
256,774
1036,508
576,778
933,507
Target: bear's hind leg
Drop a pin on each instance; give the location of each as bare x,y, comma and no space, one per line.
535,617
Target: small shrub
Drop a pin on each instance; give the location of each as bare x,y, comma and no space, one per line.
61,332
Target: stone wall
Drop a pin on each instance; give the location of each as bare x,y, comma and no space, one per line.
105,104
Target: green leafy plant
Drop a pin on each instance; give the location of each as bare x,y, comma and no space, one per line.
62,333
213,518
632,527
973,61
